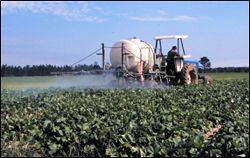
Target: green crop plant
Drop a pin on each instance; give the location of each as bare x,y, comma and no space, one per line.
169,122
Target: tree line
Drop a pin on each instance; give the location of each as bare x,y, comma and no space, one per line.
206,67
225,69
45,70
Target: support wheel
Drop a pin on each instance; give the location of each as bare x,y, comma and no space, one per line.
118,72
208,80
189,75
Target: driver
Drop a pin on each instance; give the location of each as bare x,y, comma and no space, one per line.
173,52
170,59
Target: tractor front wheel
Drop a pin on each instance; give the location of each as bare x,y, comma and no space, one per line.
208,80
189,75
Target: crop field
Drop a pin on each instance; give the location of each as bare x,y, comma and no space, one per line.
203,121
84,80
55,81
229,75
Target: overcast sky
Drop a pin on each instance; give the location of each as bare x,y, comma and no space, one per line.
61,33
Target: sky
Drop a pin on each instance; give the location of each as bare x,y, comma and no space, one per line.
61,33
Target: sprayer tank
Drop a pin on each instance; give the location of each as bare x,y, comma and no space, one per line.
134,51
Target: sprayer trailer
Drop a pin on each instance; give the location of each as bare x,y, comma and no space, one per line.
134,59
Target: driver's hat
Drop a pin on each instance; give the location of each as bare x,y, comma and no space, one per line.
174,47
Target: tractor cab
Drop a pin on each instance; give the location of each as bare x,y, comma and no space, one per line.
179,38
162,59
174,67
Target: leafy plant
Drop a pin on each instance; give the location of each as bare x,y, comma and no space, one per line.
127,122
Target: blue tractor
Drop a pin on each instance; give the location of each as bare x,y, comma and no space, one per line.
176,69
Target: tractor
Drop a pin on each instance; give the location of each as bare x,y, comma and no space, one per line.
135,59
176,70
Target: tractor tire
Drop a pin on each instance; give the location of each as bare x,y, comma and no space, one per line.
189,75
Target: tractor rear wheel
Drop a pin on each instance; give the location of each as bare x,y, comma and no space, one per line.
189,75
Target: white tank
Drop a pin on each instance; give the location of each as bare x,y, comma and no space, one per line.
135,50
